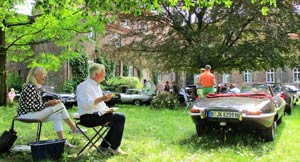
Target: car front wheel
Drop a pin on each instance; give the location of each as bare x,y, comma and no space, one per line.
288,107
269,133
137,102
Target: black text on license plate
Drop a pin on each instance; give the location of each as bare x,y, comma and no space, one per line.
223,114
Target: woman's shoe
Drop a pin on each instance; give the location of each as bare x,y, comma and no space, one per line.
68,144
77,131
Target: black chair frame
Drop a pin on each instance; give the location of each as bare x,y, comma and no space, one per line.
99,132
39,126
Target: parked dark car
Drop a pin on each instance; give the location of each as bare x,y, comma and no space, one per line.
293,91
279,90
255,110
116,98
70,99
48,93
286,95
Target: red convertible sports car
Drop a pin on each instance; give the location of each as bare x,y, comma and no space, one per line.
260,111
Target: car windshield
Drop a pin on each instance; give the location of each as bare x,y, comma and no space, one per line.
261,87
255,88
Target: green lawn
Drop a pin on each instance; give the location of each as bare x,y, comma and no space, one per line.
166,135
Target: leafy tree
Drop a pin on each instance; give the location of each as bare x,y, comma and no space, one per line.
14,81
122,83
59,22
238,37
50,21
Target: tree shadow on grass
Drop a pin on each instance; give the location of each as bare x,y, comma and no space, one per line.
236,140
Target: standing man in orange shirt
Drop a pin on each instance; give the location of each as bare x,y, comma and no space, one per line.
207,80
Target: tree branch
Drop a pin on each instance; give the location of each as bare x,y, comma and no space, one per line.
31,21
20,37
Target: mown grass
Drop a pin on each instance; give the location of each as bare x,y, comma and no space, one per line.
169,135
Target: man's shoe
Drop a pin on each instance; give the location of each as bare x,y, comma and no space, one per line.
117,151
103,149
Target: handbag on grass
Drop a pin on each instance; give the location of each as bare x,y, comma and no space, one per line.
7,139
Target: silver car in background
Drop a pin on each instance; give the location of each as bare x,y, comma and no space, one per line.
136,96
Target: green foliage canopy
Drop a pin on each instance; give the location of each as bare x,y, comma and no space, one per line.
238,37
60,21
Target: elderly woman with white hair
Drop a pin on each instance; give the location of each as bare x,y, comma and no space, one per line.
31,105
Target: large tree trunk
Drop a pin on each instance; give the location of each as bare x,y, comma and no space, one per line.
3,72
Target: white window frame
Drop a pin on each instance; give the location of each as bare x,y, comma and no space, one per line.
159,77
143,27
247,76
92,34
126,23
173,76
166,76
296,75
131,71
270,76
225,78
117,40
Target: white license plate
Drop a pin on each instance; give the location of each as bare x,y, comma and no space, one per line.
223,114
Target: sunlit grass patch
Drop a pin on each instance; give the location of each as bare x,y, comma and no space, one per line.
170,135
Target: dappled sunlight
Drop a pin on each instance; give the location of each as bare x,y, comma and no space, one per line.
218,141
170,135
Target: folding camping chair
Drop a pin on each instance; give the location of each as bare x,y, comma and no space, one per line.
188,103
98,133
39,126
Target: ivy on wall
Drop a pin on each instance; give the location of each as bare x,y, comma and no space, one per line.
79,70
109,68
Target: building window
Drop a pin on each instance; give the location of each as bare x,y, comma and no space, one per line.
226,78
116,40
166,76
173,76
118,69
270,76
142,27
159,77
126,23
92,34
131,71
247,77
296,75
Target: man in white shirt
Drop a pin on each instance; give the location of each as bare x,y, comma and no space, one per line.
94,112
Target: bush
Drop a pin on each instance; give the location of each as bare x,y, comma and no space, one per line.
69,86
165,100
79,66
120,83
